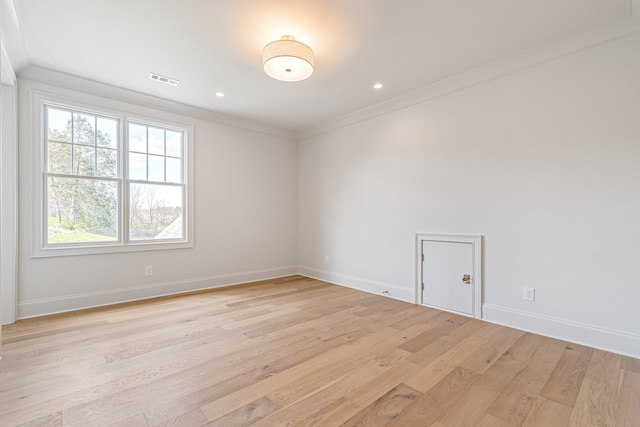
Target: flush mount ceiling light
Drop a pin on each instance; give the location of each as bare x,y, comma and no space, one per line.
287,60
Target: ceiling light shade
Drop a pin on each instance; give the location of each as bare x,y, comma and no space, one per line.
287,60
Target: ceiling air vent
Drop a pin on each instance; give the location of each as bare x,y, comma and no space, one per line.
163,79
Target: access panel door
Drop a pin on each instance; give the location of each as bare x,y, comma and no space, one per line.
447,269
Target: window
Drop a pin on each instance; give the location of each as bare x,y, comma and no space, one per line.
156,184
82,177
111,182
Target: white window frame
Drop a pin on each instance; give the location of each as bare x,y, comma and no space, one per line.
121,112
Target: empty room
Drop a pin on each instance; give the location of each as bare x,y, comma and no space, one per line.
320,213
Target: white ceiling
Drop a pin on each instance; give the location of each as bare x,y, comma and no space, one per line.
216,46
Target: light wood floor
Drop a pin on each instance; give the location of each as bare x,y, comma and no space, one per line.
300,352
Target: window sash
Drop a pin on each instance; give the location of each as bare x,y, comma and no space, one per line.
133,231
106,239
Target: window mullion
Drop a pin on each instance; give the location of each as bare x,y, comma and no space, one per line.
95,145
124,180
73,147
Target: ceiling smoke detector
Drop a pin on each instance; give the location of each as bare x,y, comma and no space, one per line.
163,79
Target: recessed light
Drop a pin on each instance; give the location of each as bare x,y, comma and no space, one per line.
377,86
219,94
163,79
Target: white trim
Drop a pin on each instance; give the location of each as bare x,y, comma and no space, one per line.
33,135
359,283
622,28
7,74
70,82
45,306
12,33
476,243
579,333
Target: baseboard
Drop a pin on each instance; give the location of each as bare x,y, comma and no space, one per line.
366,285
45,306
604,339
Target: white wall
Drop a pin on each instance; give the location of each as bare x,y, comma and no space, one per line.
544,162
8,156
245,214
8,203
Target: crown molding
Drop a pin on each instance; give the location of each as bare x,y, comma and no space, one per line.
7,75
71,82
12,36
617,30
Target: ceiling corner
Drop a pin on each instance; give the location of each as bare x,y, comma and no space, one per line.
12,36
7,75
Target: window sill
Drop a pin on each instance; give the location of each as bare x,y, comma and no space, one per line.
109,248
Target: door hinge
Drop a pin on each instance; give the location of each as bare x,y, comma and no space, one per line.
423,286
422,257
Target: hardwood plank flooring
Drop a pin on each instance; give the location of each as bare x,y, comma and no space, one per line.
301,352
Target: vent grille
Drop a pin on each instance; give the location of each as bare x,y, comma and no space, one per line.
163,79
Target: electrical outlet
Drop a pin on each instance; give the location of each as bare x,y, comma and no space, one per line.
529,294
326,260
148,270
